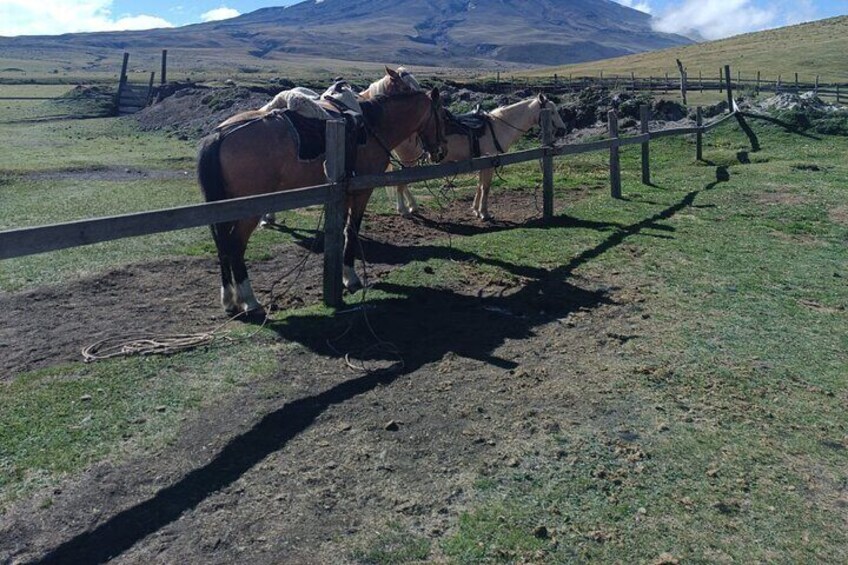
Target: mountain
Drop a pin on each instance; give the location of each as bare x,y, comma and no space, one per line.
459,33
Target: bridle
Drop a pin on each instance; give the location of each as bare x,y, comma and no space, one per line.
440,136
441,139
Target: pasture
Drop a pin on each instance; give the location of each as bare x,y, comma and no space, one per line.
656,379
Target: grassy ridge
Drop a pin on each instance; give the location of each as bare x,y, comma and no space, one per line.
808,49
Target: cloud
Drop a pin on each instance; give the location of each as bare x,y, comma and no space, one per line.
50,17
636,5
221,13
715,19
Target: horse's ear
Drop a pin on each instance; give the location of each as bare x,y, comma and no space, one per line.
435,96
542,98
392,73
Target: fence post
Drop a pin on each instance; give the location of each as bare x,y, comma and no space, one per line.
837,94
699,136
334,214
614,164
720,81
645,118
124,65
633,81
758,82
163,74
150,88
817,85
729,88
547,165
796,84
701,80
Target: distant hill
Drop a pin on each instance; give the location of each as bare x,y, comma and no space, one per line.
455,33
809,49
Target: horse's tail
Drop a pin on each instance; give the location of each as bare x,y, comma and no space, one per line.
211,180
209,172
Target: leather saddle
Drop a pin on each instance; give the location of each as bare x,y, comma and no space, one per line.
473,125
312,135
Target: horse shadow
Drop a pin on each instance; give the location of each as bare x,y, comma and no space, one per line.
425,324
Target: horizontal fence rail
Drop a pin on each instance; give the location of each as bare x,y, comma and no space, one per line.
666,83
28,241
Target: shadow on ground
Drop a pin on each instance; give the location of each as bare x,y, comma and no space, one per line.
425,324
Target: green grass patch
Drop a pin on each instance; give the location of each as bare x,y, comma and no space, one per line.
60,420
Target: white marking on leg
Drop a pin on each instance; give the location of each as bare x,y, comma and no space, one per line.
268,219
411,204
246,298
228,299
350,279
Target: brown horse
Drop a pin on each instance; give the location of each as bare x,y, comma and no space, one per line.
257,153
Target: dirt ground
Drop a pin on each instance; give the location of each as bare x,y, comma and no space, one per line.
490,369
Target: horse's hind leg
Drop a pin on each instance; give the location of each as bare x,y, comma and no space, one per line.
244,296
221,235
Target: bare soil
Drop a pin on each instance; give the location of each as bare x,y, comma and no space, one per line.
490,370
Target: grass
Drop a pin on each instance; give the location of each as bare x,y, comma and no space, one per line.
59,420
808,49
729,435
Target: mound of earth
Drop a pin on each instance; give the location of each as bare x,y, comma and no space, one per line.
190,111
807,101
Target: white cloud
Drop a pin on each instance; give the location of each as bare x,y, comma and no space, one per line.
636,5
50,17
221,13
714,19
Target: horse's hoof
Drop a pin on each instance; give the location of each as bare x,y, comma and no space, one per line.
354,287
255,316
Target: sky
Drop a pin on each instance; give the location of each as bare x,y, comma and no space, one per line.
709,19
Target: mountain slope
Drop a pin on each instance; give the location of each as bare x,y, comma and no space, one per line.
814,48
423,32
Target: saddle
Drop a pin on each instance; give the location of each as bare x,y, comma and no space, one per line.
312,135
473,125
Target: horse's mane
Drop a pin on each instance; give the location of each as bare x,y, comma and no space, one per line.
503,109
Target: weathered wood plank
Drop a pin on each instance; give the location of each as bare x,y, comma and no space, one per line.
547,166
28,241
614,161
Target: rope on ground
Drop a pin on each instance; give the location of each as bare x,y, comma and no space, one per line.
379,343
159,344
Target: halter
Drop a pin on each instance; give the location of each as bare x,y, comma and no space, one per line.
440,138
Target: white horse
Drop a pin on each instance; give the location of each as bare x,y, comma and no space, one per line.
507,125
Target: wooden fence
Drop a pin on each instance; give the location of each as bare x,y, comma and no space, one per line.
28,241
670,83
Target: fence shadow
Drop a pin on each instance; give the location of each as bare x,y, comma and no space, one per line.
425,324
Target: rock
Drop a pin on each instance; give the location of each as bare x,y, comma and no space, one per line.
391,426
541,532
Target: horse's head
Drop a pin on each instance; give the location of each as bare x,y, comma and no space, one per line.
560,129
398,82
432,128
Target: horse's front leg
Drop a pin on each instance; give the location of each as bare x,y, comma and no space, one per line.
356,210
481,198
